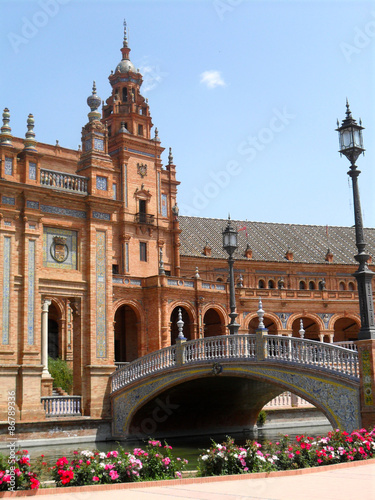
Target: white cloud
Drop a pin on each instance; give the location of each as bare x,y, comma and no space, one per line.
212,79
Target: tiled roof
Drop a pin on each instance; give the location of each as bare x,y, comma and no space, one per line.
270,242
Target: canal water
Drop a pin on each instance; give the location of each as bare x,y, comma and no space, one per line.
188,448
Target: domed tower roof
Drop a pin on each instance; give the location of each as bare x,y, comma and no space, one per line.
125,65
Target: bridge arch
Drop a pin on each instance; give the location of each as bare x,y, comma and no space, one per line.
261,382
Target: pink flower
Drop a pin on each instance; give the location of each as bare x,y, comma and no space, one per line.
113,474
95,479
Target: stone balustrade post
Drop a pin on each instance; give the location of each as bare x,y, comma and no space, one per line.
45,306
261,344
180,352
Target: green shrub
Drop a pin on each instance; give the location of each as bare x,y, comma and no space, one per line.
61,373
262,417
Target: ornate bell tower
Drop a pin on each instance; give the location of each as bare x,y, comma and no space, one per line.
147,191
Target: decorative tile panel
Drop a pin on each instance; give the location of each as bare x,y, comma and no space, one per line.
63,211
164,205
101,183
88,145
101,215
31,293
59,248
99,144
32,171
8,200
325,318
6,289
126,257
32,204
284,318
101,306
8,169
141,153
114,189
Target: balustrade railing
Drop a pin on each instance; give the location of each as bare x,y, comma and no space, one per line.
61,406
347,345
255,347
289,400
151,363
63,181
312,353
216,348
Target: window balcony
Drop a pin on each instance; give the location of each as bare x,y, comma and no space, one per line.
142,218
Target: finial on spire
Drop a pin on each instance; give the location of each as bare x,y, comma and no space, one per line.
29,141
6,131
180,326
170,157
125,44
156,138
348,112
94,101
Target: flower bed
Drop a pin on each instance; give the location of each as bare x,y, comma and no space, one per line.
336,447
157,462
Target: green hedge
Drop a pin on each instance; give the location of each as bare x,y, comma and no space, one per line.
61,373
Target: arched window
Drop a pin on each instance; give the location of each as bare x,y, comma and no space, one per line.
271,284
311,285
342,286
302,285
220,279
124,94
351,286
261,284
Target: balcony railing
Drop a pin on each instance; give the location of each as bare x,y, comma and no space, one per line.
63,181
62,406
142,218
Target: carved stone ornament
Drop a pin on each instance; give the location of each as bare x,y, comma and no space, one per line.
142,169
59,249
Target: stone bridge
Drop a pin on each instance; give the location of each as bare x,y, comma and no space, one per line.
226,380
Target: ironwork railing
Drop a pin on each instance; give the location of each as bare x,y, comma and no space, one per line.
64,181
142,218
250,348
61,406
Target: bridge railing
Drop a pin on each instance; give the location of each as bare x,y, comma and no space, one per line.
151,363
255,347
312,353
216,348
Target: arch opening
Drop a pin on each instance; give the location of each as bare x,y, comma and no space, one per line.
126,334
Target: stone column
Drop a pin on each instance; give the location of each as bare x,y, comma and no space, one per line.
45,306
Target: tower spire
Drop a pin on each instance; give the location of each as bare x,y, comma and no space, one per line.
125,43
29,141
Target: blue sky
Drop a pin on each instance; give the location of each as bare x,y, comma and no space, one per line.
246,93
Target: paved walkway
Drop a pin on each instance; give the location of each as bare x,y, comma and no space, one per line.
350,483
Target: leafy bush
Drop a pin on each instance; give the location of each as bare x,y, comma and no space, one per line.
61,373
93,467
337,447
262,417
15,472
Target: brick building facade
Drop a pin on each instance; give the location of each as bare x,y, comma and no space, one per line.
96,261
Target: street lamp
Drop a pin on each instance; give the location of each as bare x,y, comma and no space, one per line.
230,245
351,145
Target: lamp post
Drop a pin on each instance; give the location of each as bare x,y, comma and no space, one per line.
351,145
230,245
